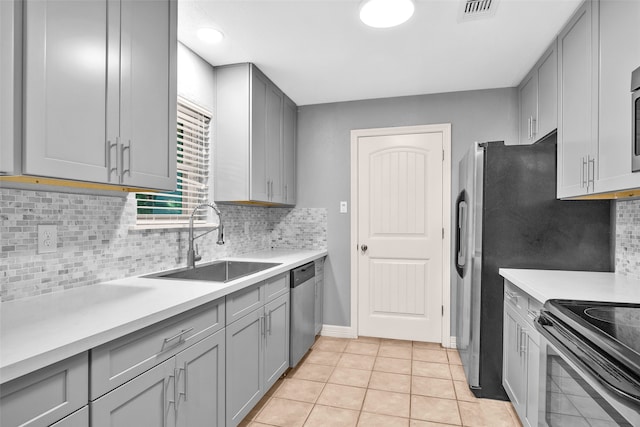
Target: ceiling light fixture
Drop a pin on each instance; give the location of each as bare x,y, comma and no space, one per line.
386,13
210,35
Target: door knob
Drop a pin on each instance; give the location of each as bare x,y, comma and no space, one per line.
364,248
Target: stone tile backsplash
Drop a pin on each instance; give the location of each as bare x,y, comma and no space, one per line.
628,238
96,241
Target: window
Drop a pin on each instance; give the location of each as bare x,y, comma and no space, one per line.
192,173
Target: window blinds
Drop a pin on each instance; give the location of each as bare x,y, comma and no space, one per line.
192,173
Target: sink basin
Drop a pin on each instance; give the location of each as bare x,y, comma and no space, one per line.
220,271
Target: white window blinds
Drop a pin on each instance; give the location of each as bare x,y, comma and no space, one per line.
192,173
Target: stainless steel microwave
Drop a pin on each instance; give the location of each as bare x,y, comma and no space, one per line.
635,119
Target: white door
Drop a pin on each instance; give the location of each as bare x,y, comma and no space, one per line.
400,235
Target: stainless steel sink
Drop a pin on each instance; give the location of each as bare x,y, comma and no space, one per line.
220,271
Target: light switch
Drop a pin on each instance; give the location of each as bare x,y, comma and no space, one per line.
47,238
343,207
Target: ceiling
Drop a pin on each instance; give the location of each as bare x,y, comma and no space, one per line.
319,51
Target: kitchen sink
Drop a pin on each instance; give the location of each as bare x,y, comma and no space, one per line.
219,271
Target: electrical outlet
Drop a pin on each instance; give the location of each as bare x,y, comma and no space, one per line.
343,207
47,238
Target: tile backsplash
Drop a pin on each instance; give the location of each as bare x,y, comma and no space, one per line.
97,241
628,238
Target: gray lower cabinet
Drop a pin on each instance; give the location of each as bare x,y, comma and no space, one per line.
245,378
276,339
319,295
521,353
257,345
47,395
187,389
80,418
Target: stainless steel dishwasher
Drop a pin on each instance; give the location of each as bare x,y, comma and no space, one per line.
302,312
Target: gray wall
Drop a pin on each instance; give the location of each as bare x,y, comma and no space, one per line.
324,161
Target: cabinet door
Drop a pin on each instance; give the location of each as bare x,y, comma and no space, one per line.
275,105
289,135
200,383
318,304
80,418
65,90
147,145
528,93
10,82
618,26
245,384
276,350
147,400
258,168
577,101
533,370
547,117
513,364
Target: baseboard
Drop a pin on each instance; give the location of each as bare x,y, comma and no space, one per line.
452,342
338,331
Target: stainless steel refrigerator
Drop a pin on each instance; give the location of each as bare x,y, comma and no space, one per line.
508,216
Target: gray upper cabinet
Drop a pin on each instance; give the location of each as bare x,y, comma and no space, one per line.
538,98
594,129
289,129
619,56
255,138
577,101
10,82
100,91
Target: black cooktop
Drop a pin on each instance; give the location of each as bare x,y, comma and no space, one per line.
612,327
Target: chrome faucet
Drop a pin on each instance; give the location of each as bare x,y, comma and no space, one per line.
192,254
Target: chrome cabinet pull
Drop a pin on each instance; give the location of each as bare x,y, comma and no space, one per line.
583,182
269,323
523,341
534,125
262,325
186,381
123,170
108,147
511,295
591,172
518,336
169,402
178,336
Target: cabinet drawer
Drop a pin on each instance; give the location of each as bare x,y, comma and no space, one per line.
276,286
118,361
243,302
515,297
47,395
79,418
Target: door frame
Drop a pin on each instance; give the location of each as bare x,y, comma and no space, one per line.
445,129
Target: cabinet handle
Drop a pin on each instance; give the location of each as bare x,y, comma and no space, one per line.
583,181
123,170
286,194
517,337
186,381
523,341
262,325
108,147
512,295
532,314
269,323
534,126
530,132
169,401
176,336
591,172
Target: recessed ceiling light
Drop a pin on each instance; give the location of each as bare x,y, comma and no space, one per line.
210,35
386,13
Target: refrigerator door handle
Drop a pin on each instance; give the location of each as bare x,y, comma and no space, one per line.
461,234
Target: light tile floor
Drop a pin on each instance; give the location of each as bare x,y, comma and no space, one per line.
378,382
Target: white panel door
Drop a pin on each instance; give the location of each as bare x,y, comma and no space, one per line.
400,236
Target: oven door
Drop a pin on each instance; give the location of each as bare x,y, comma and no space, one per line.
570,396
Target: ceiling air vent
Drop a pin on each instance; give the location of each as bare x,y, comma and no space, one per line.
476,9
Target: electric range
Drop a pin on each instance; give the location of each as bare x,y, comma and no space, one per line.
595,347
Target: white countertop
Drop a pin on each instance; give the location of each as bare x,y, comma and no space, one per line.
544,285
38,331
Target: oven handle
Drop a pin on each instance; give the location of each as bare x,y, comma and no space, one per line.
590,375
